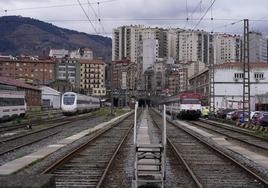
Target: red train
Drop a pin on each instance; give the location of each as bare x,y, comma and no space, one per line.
184,105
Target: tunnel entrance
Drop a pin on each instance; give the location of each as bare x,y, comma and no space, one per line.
144,102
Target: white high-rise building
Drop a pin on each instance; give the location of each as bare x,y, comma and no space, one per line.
257,47
150,53
172,43
193,46
227,48
125,43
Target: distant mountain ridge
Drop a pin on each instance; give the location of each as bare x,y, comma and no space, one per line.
23,35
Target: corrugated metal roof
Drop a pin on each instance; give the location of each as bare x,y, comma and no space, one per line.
17,83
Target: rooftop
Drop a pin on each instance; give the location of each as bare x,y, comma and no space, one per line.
240,65
94,61
17,83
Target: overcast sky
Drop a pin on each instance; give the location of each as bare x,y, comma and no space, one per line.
162,13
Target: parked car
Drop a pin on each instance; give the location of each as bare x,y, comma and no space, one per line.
263,119
229,115
222,113
242,119
256,117
236,115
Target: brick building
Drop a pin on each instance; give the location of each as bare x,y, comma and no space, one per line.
32,94
199,83
92,77
29,70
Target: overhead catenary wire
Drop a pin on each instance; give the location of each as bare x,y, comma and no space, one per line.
187,18
87,16
204,15
53,6
195,9
97,16
211,18
100,21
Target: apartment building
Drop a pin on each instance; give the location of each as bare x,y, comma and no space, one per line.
163,78
173,79
172,43
258,47
30,70
193,46
125,43
68,69
227,48
199,83
129,42
92,77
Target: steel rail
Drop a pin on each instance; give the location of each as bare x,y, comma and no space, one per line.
245,132
82,147
71,120
180,157
112,159
230,136
220,152
27,144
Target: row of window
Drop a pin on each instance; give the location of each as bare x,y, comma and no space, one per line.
99,91
257,75
11,101
87,102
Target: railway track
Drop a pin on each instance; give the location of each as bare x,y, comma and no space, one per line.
208,166
236,134
121,174
10,126
88,165
7,128
16,142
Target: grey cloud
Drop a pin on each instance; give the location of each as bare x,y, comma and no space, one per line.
237,9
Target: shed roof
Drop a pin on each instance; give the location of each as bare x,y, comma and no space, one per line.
17,83
49,91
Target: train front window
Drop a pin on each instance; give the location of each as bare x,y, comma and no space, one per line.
190,101
68,99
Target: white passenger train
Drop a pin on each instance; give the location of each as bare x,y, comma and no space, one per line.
77,103
12,104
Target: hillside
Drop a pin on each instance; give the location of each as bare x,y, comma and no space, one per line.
21,35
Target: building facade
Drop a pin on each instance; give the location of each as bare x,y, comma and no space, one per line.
258,47
92,77
58,53
32,94
199,83
82,53
32,71
228,84
68,69
228,80
227,48
193,46
126,43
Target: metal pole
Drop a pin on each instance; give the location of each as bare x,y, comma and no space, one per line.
246,71
112,90
135,124
164,142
